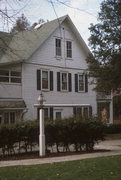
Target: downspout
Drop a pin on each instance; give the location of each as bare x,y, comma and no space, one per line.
23,113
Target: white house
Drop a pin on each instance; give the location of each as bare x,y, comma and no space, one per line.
51,59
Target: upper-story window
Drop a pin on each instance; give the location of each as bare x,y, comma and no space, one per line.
58,46
81,82
45,79
68,49
64,81
9,76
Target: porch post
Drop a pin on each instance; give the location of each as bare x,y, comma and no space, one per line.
111,112
41,134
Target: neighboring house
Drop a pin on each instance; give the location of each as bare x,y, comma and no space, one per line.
50,59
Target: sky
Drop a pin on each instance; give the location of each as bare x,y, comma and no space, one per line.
81,12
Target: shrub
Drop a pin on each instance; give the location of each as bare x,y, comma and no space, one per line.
113,129
81,133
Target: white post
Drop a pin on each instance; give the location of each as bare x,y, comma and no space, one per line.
111,112
41,135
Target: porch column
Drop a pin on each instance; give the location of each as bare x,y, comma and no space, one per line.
111,110
41,135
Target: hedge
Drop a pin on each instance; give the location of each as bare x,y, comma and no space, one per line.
80,134
112,129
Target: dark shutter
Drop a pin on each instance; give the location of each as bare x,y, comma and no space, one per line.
86,83
74,111
58,81
69,82
90,111
38,79
51,113
38,113
51,80
76,82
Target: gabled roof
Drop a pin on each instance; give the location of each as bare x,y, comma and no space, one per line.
23,44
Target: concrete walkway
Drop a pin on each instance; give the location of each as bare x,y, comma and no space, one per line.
113,145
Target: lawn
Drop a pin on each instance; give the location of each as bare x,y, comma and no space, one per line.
107,168
113,136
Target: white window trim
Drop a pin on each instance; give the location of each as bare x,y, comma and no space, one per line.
47,89
3,121
68,40
82,110
57,56
9,77
58,110
61,81
82,74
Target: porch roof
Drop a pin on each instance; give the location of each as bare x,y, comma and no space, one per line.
12,105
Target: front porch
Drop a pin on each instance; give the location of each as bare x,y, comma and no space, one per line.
105,108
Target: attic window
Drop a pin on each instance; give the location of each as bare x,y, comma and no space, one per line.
58,47
69,49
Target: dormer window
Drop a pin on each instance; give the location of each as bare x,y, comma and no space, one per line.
68,49
58,47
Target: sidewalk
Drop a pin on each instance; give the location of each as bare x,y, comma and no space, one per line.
113,145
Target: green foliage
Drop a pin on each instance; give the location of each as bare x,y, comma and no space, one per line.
117,107
82,134
105,42
113,129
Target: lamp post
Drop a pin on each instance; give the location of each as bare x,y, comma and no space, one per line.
41,126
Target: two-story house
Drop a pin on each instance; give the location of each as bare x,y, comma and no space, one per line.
51,59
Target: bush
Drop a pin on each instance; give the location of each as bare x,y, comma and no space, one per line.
113,129
81,133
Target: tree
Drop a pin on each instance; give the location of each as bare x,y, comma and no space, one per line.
105,41
21,24
117,107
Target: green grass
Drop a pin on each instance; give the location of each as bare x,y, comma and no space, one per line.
107,168
113,136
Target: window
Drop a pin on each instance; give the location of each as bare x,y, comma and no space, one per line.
58,47
15,77
79,111
81,82
48,113
58,115
10,76
45,81
69,49
86,112
9,117
82,111
64,81
4,76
